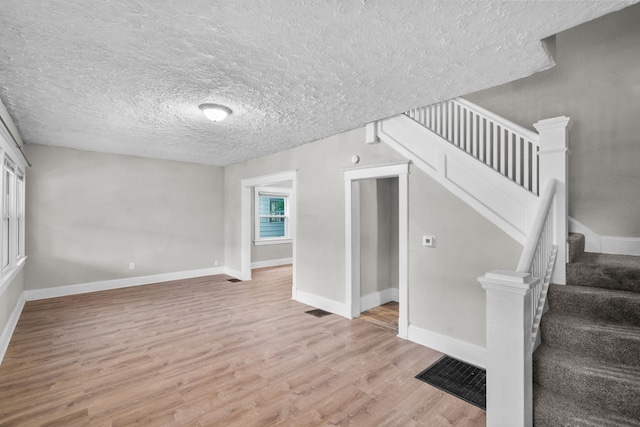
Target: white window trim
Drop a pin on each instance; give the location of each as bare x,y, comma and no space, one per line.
272,191
17,257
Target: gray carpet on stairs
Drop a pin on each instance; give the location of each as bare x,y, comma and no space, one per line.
587,370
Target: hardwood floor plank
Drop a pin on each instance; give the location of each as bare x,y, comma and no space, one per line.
205,351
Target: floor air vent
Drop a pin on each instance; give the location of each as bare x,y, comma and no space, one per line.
460,379
318,313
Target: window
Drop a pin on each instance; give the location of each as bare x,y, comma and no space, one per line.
272,215
8,211
12,214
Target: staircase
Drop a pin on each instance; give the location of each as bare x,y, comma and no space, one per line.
587,370
517,179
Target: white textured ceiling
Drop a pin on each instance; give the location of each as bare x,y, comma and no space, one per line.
127,76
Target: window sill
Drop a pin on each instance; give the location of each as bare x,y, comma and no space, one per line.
10,273
272,242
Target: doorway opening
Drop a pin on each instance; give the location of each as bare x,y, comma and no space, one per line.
355,181
379,252
279,223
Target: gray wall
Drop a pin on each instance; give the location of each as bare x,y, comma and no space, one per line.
89,215
320,205
596,82
444,294
378,235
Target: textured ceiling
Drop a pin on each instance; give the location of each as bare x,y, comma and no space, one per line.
127,76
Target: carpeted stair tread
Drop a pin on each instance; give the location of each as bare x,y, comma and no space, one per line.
621,272
603,304
552,410
589,381
617,343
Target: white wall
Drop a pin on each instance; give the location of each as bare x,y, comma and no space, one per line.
444,294
89,215
596,82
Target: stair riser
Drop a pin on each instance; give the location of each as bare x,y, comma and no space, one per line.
588,388
614,347
603,277
576,246
610,307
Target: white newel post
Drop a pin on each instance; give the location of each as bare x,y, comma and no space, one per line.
554,159
509,348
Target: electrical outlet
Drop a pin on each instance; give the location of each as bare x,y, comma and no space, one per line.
132,266
429,241
215,263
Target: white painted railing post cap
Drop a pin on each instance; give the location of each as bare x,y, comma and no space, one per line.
510,281
553,123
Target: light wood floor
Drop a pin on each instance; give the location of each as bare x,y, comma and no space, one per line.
208,352
384,316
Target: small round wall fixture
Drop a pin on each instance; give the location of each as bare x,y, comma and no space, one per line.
215,112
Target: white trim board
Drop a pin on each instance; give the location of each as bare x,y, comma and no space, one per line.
10,326
6,281
272,263
323,303
236,273
467,352
82,288
376,299
605,244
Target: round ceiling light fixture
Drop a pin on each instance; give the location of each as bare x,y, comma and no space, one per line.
215,112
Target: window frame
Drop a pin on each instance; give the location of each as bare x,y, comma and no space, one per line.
12,206
280,192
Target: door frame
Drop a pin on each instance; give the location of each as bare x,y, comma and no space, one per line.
246,187
352,177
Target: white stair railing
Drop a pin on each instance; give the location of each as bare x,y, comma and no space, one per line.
505,147
538,258
515,300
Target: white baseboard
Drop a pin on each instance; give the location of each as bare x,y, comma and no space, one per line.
605,244
59,291
10,326
272,263
236,273
323,303
467,352
376,299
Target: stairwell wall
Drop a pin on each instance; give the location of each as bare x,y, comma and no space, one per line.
595,82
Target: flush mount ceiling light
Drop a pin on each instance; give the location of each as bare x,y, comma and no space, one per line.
215,112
